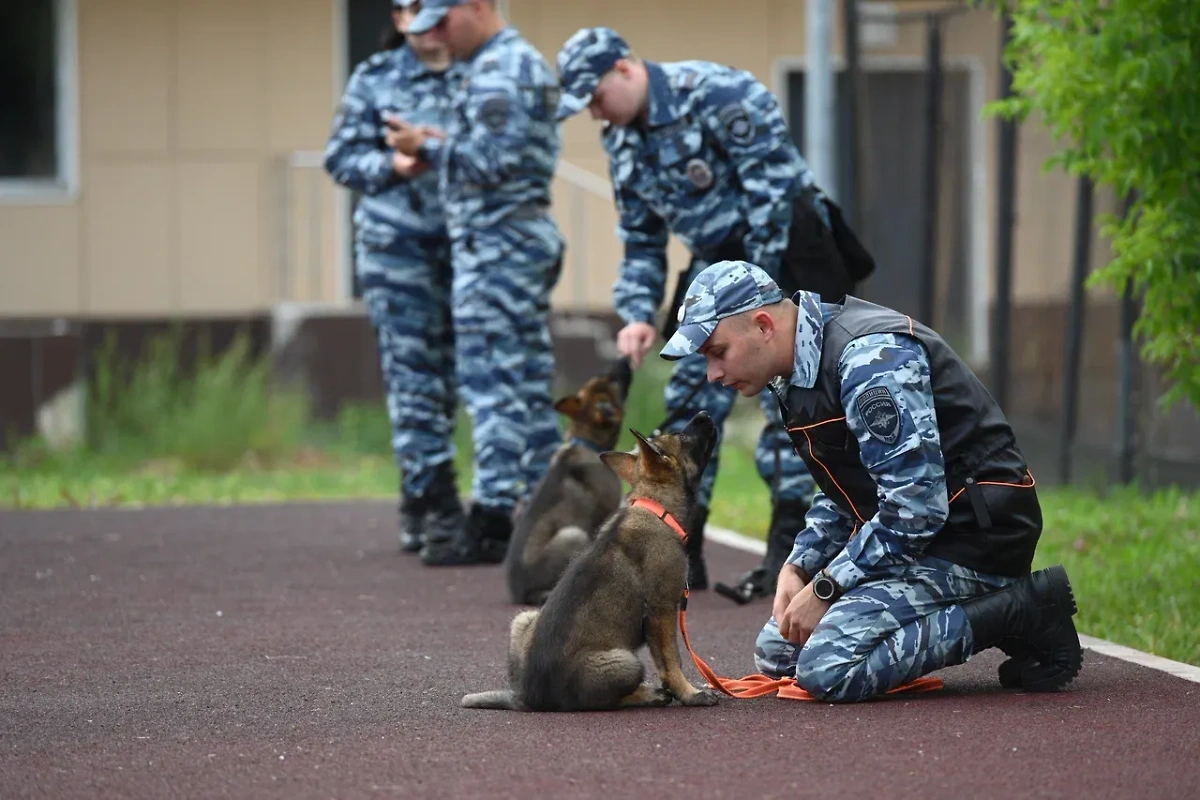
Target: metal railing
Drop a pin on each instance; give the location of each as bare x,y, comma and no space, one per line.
581,183
311,220
313,258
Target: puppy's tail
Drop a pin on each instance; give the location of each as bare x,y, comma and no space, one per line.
499,699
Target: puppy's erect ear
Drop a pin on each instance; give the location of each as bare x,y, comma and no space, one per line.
569,406
623,464
648,447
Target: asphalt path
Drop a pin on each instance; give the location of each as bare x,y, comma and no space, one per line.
290,651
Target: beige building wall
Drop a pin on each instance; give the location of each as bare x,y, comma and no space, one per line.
183,111
187,110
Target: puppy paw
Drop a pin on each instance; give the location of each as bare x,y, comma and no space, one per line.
703,697
661,697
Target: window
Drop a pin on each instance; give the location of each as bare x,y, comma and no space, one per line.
36,95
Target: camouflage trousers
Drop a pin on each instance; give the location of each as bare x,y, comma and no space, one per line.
778,464
503,277
406,289
883,633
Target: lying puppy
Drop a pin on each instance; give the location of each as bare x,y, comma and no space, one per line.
577,493
580,651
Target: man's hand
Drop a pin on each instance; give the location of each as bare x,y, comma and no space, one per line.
790,581
403,137
634,340
801,616
408,166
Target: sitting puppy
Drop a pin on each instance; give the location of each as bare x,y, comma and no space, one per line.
580,651
577,493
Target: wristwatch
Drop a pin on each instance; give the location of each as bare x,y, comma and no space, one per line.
825,588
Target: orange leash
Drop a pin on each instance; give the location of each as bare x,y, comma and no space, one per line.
759,685
756,685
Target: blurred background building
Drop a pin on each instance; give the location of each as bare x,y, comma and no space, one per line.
160,160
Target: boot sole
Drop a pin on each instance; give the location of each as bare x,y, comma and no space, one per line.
1038,677
460,555
445,554
1010,672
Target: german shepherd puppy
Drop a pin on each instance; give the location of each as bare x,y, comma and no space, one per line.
580,651
577,493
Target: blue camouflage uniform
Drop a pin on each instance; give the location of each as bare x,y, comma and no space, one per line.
402,253
713,164
496,165
900,615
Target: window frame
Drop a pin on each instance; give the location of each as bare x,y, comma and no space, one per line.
64,186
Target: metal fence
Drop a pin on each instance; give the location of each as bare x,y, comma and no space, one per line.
1061,359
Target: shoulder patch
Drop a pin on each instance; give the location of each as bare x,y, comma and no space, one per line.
737,123
880,413
494,113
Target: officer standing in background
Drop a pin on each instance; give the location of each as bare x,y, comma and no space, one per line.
403,262
701,150
496,162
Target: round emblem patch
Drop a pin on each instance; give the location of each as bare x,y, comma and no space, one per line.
700,173
738,123
680,315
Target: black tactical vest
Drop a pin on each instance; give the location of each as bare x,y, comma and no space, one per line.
995,519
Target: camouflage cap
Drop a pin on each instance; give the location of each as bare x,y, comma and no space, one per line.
586,58
721,290
432,12
402,3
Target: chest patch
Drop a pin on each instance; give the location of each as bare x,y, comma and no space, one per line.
881,414
700,173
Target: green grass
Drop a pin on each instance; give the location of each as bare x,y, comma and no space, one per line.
213,417
227,436
1134,561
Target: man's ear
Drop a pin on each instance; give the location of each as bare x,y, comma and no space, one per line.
623,464
765,323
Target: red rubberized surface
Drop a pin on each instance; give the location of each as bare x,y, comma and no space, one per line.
290,651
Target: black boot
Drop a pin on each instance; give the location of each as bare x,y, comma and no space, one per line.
787,520
443,523
482,539
697,571
1031,621
490,529
412,522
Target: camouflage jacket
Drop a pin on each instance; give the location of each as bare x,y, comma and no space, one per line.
713,160
502,146
390,82
906,464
